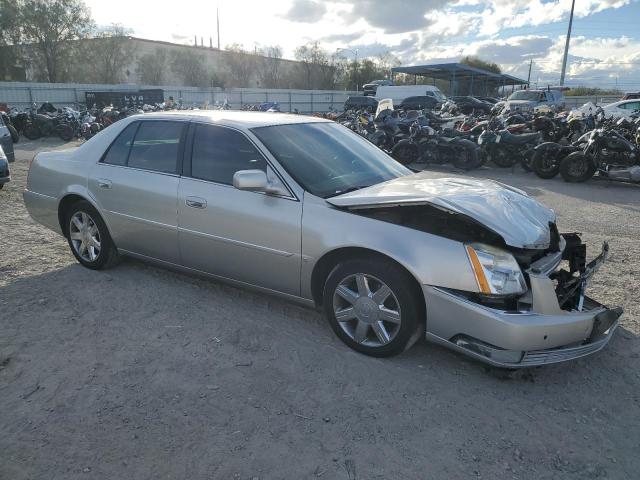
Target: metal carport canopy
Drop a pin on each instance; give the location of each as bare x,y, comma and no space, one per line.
459,71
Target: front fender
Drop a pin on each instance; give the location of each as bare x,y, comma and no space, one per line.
431,259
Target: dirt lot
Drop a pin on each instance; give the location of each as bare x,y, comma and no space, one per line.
143,373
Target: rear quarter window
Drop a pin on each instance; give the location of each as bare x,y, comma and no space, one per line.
118,152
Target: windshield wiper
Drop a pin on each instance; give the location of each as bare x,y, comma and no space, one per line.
347,190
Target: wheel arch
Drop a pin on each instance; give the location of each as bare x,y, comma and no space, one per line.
70,199
329,260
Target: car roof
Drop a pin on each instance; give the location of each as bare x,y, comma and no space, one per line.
235,118
412,97
622,102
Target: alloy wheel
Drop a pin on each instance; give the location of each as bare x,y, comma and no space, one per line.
84,236
367,310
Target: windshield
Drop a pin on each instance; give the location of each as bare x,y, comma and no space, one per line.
327,159
526,95
440,96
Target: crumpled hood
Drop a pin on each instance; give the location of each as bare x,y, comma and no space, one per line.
519,219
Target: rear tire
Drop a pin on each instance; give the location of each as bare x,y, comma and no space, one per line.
374,321
15,136
577,168
89,238
32,132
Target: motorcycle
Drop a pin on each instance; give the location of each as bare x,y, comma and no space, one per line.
505,149
424,145
607,152
42,125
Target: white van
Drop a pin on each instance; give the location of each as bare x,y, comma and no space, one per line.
400,92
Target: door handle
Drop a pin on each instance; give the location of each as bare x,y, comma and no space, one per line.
196,202
104,183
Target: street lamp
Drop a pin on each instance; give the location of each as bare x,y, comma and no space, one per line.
355,52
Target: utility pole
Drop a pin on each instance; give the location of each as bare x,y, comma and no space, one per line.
357,73
529,76
566,45
218,25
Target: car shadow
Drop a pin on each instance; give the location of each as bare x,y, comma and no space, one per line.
137,300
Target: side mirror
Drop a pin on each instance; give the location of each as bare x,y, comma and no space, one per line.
255,181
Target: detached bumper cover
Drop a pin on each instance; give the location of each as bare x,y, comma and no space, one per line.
605,324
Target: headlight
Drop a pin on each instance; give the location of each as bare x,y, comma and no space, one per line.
496,271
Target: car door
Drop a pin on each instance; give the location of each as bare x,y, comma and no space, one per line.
136,186
246,236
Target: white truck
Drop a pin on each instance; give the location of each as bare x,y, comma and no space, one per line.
397,93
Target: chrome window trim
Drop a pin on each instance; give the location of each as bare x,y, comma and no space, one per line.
140,121
291,196
156,172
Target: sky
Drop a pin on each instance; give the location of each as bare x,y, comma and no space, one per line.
604,51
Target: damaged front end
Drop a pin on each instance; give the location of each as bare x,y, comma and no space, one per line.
552,321
528,306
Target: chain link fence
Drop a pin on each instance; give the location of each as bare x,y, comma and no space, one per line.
23,95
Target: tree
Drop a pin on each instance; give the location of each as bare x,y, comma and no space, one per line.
317,69
189,66
110,51
152,67
9,36
52,26
242,65
591,91
479,63
269,67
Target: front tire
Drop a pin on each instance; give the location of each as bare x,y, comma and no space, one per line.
65,132
374,306
577,168
468,156
545,162
89,238
405,152
499,157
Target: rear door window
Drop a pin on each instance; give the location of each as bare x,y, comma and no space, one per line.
156,146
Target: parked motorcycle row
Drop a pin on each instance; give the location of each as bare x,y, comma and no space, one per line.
576,146
68,123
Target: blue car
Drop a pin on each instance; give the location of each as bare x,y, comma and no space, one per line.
6,142
5,175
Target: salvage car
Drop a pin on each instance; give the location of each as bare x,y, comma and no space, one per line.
307,209
6,140
5,174
528,100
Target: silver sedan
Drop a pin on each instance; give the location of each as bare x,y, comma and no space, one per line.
304,208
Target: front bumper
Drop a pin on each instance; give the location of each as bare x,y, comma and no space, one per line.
541,335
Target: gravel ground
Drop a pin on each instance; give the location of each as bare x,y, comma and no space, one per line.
140,372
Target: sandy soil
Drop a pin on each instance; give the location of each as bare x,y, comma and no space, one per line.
143,373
